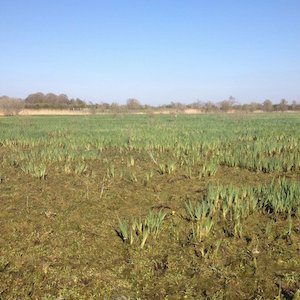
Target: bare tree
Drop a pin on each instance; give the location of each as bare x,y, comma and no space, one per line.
283,105
227,104
11,106
35,98
267,105
209,106
295,105
133,103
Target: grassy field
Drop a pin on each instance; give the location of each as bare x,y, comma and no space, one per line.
150,207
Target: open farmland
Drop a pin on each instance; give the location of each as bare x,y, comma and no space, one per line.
150,207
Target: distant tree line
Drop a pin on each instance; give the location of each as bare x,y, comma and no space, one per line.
227,105
50,100
12,106
231,104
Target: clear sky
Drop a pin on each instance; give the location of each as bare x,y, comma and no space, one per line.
157,51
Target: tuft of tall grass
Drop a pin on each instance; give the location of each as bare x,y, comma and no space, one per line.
140,230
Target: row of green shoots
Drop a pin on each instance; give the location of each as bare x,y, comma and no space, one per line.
196,159
222,205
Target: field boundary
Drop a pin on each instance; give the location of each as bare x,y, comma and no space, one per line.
85,112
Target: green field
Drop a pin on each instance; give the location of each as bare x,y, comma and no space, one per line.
150,207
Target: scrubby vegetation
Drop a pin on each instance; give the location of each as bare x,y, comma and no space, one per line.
38,101
150,207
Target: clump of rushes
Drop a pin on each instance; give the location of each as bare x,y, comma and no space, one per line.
111,171
154,221
201,229
145,235
201,215
208,169
132,177
41,172
282,197
238,228
166,168
141,230
162,169
171,167
199,211
123,230
148,177
189,172
35,170
137,226
81,168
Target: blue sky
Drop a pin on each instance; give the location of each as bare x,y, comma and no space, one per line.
157,51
